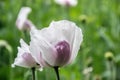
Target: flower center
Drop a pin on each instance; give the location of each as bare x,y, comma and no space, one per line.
63,53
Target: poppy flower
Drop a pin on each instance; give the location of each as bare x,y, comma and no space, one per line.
58,44
22,22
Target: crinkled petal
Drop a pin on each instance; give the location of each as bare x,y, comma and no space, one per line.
35,52
51,35
47,50
24,58
58,31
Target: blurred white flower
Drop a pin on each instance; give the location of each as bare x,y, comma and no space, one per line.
24,58
22,22
58,44
66,2
87,70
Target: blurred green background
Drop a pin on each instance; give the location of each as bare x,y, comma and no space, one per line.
100,23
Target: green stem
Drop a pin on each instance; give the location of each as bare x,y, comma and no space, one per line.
11,72
57,72
33,73
113,70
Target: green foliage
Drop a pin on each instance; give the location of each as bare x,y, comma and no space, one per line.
100,23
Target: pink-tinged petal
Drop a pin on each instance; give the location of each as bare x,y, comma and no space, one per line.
78,38
24,58
29,59
20,62
28,25
22,17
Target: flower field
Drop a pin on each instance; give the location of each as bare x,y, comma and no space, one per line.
90,43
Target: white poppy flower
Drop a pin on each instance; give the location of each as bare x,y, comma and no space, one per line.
58,44
22,22
24,58
66,2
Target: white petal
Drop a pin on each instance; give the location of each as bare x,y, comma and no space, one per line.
24,58
24,46
36,54
22,17
46,49
78,38
67,2
73,2
34,48
58,31
20,51
52,35
19,61
66,29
